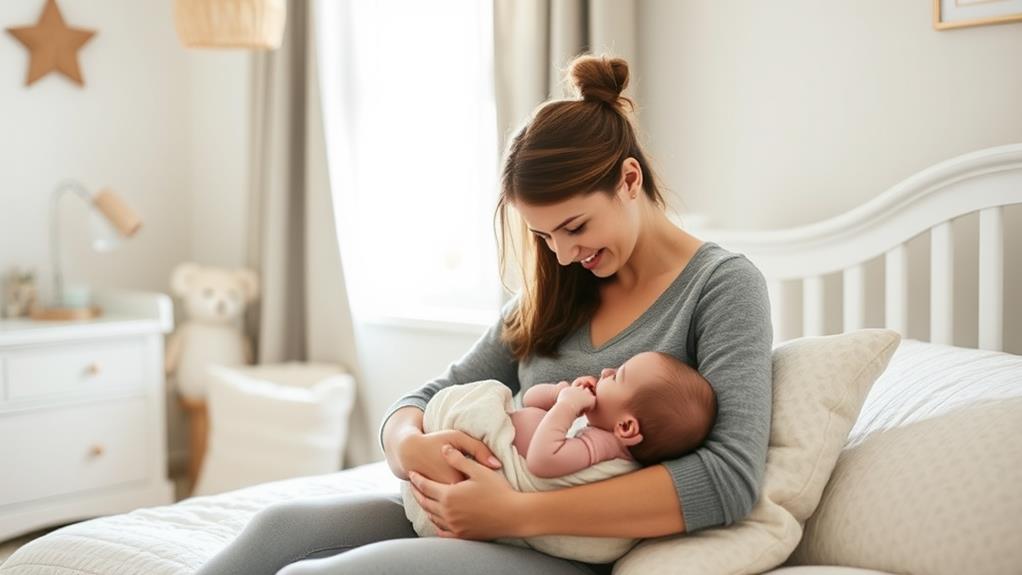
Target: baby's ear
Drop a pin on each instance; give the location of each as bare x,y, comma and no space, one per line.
627,431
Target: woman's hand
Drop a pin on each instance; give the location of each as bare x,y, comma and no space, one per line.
483,507
422,453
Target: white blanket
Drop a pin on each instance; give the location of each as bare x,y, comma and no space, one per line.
482,409
177,539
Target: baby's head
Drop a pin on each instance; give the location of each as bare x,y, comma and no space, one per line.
658,407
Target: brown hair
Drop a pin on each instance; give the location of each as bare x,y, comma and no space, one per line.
570,147
676,411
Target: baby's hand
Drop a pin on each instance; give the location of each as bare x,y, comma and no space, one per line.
586,382
578,398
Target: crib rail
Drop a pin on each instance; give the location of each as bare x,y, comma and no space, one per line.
983,182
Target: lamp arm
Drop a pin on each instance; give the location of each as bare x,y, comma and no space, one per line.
58,275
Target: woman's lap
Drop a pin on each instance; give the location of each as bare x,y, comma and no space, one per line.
438,556
367,533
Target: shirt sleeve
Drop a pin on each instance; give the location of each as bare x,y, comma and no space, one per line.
718,483
489,358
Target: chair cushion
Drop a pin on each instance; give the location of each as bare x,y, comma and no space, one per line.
819,385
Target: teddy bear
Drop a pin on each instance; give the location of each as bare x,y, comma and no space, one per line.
214,300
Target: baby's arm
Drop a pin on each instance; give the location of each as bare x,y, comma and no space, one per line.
551,453
543,395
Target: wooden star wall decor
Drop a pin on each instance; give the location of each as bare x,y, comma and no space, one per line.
53,45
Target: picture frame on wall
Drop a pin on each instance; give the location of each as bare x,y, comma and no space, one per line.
949,14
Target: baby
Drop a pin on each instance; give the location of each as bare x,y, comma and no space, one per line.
652,408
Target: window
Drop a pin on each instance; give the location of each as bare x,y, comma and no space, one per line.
410,116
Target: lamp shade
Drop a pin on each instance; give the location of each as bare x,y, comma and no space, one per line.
120,216
255,24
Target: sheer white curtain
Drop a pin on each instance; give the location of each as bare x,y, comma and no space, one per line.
410,117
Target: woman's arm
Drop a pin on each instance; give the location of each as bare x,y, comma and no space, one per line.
404,422
409,449
638,504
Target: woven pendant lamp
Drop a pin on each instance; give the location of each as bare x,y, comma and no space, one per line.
256,24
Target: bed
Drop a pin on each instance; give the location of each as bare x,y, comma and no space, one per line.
177,539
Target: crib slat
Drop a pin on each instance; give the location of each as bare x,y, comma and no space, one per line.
774,291
991,279
854,279
896,289
812,306
941,284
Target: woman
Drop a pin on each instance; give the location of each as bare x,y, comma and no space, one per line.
610,276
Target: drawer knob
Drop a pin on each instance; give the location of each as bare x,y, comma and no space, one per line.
92,369
96,450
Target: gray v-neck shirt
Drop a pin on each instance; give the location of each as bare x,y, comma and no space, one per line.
715,316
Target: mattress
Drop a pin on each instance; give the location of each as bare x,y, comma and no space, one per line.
177,539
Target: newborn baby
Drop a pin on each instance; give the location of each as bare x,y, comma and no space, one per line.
652,408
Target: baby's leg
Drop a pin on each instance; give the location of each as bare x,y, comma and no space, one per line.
308,528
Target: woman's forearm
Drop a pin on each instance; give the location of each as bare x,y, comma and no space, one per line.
638,504
402,423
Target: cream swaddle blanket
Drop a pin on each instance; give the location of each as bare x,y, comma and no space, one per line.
482,409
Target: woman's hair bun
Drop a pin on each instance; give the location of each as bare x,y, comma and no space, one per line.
600,79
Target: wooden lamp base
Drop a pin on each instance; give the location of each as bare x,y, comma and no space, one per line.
64,313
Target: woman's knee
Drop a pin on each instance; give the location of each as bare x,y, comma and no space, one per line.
349,520
276,516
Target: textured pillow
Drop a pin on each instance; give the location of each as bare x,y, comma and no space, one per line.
272,422
819,385
929,480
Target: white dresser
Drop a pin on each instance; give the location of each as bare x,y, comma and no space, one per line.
82,420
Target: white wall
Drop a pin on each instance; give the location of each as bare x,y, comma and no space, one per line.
763,115
773,114
164,126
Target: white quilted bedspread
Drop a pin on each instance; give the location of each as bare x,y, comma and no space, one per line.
176,539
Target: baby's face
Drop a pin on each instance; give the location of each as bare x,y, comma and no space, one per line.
616,386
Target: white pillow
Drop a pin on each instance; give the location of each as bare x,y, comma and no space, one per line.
819,385
929,481
273,422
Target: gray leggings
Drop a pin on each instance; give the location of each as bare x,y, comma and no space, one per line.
368,534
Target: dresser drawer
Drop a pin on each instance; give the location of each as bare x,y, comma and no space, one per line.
65,450
79,368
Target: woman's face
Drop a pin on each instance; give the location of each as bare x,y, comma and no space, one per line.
595,231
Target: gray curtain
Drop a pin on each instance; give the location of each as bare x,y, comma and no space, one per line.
535,40
303,313
276,247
